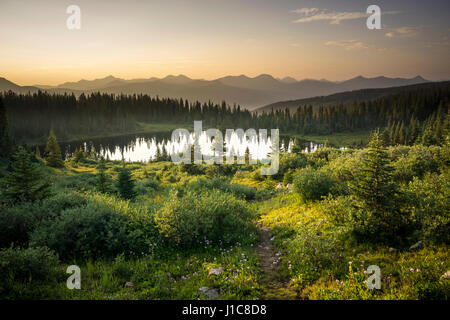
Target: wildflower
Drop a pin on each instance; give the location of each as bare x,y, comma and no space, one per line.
412,269
350,262
417,270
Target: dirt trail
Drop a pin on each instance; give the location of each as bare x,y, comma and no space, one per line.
275,287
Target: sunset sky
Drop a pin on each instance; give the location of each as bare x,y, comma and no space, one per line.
213,38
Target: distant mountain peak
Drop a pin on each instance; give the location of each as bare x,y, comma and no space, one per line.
265,76
419,78
288,80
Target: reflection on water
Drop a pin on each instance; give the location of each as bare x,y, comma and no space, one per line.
143,147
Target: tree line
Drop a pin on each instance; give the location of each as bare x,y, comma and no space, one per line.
407,115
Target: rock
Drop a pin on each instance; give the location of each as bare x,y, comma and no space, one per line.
215,271
392,250
210,293
129,284
446,276
418,245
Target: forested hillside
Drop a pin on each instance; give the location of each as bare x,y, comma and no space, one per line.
407,114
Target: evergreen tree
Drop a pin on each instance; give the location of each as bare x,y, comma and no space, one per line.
385,137
296,148
157,154
125,184
247,156
79,155
25,182
103,183
378,218
5,140
375,186
53,156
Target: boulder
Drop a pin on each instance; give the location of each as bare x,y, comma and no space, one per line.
210,293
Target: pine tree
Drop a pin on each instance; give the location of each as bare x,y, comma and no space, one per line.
125,184
5,140
379,200
79,155
157,154
296,147
247,156
375,186
53,156
103,184
25,182
385,138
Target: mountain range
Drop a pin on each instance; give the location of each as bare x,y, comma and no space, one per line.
251,93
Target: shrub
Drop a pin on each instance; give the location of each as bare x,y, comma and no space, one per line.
16,222
212,215
146,187
103,227
312,184
20,267
242,191
291,161
80,181
239,190
418,161
429,202
315,246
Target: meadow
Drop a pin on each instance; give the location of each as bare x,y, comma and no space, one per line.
163,231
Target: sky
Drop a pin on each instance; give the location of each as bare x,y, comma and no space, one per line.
208,39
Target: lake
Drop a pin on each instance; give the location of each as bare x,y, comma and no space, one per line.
143,147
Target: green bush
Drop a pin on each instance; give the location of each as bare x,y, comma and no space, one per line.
146,187
242,191
16,222
26,272
429,202
291,161
103,227
312,184
314,247
19,220
194,218
239,190
418,161
80,181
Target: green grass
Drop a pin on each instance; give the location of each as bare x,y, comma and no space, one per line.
405,274
336,139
